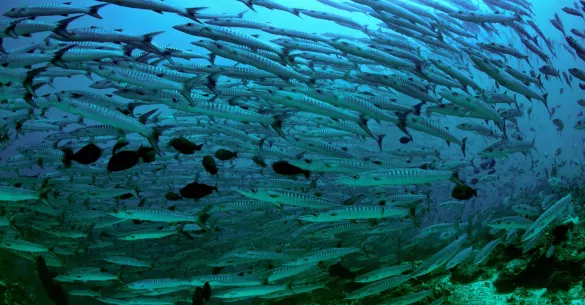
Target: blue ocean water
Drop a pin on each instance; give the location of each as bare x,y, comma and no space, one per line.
564,149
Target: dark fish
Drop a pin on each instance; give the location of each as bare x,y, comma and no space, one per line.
287,169
185,146
259,160
562,90
209,165
340,271
476,170
474,181
225,155
405,140
463,192
197,190
122,161
201,294
172,196
582,86
54,291
86,155
493,171
127,159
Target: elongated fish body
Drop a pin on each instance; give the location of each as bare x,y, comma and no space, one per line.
361,212
107,116
377,287
547,217
252,59
486,251
244,292
441,257
335,165
322,255
473,104
321,147
459,258
511,222
8,193
52,10
484,17
153,284
288,271
154,215
226,34
23,246
396,177
458,75
287,198
127,261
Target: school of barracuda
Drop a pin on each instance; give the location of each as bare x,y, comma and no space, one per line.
258,164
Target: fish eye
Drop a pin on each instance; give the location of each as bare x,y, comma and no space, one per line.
355,177
316,214
190,24
254,190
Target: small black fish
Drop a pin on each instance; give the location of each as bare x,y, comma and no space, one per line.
209,164
405,140
491,172
287,169
474,181
340,271
54,291
259,160
185,146
172,196
463,192
582,86
201,294
476,170
122,161
197,190
89,154
225,155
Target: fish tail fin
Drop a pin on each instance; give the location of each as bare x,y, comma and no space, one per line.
379,140
153,138
545,101
313,184
27,84
212,82
412,216
69,155
2,50
93,10
464,145
203,216
241,14
191,13
417,107
402,116
363,122
90,233
57,59
363,248
455,178
277,126
61,28
296,12
44,193
211,58
206,291
249,4
147,39
187,86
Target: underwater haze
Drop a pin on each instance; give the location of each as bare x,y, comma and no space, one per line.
292,152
